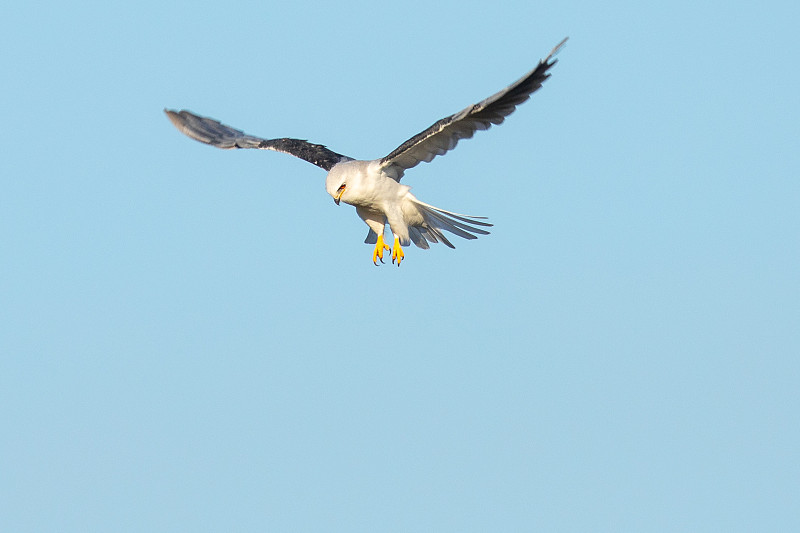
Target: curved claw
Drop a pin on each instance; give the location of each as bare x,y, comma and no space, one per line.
377,254
397,252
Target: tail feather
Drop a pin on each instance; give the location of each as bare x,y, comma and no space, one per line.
427,234
450,225
418,238
372,237
463,225
437,220
469,219
439,236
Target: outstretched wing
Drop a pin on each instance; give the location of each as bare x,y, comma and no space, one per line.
210,131
443,135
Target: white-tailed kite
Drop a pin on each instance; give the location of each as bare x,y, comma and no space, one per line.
373,187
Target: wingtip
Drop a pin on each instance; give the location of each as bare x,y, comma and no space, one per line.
556,49
174,117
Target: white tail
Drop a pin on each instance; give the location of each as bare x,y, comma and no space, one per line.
438,220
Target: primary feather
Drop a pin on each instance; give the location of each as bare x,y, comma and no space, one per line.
443,135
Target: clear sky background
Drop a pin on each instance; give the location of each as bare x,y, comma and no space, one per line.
196,340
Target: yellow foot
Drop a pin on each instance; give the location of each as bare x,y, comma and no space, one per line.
380,246
397,252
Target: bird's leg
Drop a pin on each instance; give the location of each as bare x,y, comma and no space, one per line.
380,246
397,251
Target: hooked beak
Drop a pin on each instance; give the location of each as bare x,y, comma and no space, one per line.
338,197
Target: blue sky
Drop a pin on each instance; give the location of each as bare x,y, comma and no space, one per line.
196,340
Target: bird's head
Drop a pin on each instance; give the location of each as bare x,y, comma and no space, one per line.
336,184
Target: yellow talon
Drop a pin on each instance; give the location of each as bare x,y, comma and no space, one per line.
380,246
397,252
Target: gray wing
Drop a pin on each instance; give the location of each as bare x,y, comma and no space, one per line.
443,135
210,131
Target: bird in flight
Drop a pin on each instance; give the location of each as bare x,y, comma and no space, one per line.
373,187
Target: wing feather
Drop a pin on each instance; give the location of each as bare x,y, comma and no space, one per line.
210,131
443,135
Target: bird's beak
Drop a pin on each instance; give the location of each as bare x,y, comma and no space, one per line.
338,197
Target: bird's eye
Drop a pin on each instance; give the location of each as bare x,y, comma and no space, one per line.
341,187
